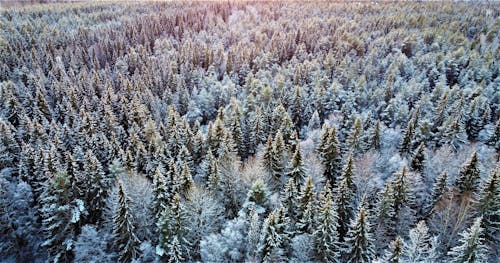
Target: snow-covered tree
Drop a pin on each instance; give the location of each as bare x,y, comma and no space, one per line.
124,237
359,240
471,247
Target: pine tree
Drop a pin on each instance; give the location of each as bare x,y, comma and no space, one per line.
489,207
468,177
418,159
359,243
236,133
326,236
471,248
123,229
494,139
9,149
395,252
206,166
395,212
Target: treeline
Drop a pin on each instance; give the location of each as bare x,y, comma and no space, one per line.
250,132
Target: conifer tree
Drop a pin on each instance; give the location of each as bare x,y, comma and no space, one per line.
279,151
326,236
407,139
160,194
331,158
297,170
123,229
418,158
440,187
97,188
359,242
395,252
453,133
323,143
471,247
354,140
375,136
468,177
306,207
274,236
489,207
183,180
268,160
61,214
345,193
173,245
213,177
257,197
296,107
290,202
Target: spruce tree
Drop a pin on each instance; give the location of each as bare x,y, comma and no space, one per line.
297,170
359,242
257,197
173,245
407,139
439,188
160,193
418,159
61,214
471,247
123,229
290,202
375,136
274,236
331,158
394,255
326,236
468,177
323,143
267,156
97,188
355,138
345,193
489,207
279,152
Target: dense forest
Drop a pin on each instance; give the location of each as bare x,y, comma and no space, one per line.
250,132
